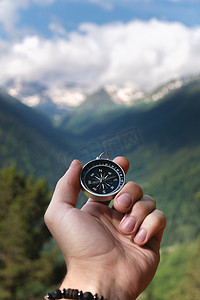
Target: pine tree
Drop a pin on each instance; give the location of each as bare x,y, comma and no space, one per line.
25,268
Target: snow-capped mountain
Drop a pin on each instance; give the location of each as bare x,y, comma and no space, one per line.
55,100
35,93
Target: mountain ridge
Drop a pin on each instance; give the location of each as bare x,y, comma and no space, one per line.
29,139
160,121
56,101
161,140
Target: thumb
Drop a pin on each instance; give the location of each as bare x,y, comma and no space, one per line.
66,192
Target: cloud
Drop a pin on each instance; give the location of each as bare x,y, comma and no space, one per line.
145,54
9,15
57,29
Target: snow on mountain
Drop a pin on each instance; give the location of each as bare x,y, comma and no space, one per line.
164,90
35,93
123,94
61,98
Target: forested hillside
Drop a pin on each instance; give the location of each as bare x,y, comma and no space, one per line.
162,142
28,139
172,121
26,267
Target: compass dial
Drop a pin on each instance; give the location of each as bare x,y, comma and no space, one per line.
102,178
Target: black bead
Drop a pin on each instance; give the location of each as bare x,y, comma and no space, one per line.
80,295
75,294
87,296
49,296
95,297
63,292
57,294
66,293
69,294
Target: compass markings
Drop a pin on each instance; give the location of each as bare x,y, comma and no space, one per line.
103,177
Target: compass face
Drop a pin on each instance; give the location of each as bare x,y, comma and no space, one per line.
102,178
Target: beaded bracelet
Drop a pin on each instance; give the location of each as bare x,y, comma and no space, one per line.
72,294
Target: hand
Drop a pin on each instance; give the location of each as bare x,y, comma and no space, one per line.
110,251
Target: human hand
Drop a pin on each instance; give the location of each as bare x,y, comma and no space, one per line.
110,251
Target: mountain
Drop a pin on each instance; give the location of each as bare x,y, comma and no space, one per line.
52,101
95,106
160,138
162,142
171,121
68,95
56,101
29,139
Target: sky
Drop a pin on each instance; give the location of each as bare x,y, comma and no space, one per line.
88,44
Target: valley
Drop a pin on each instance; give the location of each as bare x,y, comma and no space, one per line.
160,138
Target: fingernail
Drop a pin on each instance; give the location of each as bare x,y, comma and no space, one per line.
128,224
124,200
140,236
74,163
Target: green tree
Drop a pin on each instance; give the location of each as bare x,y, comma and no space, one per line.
26,269
190,289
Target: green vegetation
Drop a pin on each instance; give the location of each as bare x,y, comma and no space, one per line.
178,275
28,139
26,268
190,287
164,161
173,180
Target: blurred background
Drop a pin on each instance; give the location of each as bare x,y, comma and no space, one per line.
79,77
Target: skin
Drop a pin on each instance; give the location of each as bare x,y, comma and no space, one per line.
110,251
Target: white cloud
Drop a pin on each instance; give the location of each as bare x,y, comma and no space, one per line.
9,14
144,53
57,29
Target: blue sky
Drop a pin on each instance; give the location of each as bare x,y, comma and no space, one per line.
94,43
71,13
37,15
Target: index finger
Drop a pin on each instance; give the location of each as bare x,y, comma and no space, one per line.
123,162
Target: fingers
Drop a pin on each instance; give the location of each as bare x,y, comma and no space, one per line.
125,199
144,221
68,187
66,191
140,210
152,226
123,162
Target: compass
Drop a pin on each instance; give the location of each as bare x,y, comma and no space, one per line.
102,178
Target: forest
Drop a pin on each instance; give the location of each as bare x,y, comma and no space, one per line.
161,141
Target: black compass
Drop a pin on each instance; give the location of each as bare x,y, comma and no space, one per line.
102,179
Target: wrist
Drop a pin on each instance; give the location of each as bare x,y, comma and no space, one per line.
96,281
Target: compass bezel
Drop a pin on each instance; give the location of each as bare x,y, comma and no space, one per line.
99,162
